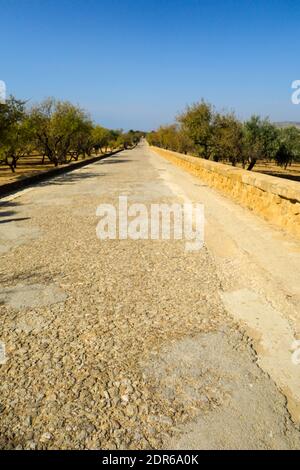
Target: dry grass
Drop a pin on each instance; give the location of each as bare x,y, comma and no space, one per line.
26,167
292,172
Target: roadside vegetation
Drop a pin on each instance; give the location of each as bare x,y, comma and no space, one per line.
201,131
56,132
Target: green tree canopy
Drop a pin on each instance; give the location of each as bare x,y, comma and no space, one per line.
197,124
56,126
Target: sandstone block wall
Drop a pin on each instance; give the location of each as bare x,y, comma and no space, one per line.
275,199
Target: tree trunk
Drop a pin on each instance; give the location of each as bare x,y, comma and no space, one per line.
251,165
11,166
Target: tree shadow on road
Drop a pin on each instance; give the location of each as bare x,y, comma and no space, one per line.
6,208
71,178
115,160
6,221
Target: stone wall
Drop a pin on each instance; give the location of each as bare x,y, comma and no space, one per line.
277,200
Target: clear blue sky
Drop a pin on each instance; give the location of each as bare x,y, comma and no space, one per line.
136,63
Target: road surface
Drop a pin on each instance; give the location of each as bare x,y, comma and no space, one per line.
140,344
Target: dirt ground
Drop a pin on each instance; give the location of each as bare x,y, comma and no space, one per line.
26,167
292,172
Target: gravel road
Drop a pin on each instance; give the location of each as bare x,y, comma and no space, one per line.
121,344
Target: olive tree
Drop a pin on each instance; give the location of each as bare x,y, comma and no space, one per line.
101,138
260,141
15,132
197,123
227,138
82,141
289,150
56,125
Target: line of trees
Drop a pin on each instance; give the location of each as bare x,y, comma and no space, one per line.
56,130
203,132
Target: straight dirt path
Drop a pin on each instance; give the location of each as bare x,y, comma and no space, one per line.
124,344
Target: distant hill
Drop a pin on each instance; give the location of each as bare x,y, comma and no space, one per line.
287,124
